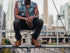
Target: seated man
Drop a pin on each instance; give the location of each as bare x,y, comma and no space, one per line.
27,18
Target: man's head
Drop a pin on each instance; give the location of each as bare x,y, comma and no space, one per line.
27,1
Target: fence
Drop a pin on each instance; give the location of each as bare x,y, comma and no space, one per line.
29,46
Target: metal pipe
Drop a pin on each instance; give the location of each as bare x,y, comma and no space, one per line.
57,33
28,50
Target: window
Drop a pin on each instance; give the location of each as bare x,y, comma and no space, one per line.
62,32
53,32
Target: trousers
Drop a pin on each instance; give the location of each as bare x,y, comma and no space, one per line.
21,25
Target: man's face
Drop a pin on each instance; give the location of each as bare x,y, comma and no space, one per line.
27,1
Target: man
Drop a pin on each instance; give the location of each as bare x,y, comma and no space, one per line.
27,18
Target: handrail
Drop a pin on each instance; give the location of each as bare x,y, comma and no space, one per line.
28,47
32,30
32,46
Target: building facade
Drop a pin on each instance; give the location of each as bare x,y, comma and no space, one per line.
1,13
50,20
62,11
4,22
10,18
45,12
67,16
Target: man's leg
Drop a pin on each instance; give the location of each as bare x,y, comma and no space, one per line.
38,24
17,29
19,25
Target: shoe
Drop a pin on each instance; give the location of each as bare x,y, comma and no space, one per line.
17,43
34,42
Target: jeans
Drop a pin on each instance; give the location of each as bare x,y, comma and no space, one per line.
21,25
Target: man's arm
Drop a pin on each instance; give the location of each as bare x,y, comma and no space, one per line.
16,12
36,12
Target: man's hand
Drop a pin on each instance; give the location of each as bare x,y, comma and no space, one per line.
31,19
29,22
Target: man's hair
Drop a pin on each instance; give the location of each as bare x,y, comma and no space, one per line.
28,0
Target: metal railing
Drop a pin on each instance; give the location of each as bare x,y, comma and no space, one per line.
29,46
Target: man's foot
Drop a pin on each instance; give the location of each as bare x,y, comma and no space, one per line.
17,43
34,42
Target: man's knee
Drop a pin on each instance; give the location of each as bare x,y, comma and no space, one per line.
40,22
16,21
